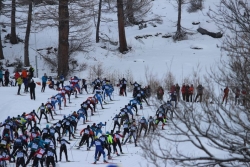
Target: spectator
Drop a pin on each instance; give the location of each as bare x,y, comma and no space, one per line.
61,79
31,72
6,77
199,93
1,76
17,75
19,83
44,82
32,87
226,91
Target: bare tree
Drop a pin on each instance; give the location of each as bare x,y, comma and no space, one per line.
98,21
13,36
136,10
1,49
79,28
1,46
63,40
122,37
195,5
27,35
180,33
215,134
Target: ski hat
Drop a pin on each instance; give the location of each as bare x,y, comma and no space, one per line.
107,132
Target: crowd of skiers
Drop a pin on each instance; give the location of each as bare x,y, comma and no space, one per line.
39,145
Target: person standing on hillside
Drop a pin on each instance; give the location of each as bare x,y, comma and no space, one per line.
226,91
187,93
237,95
31,72
177,89
183,92
44,82
61,79
19,83
6,77
17,75
1,76
32,86
199,93
191,92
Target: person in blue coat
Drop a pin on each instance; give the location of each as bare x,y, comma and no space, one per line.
1,76
44,82
99,128
99,145
98,96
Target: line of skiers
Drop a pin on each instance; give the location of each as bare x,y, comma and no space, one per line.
33,143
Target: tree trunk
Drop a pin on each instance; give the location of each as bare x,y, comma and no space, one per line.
13,37
179,16
98,21
63,46
121,29
27,36
1,48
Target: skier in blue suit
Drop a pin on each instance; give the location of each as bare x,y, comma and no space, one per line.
99,145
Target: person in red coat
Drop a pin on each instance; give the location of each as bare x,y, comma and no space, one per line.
17,75
183,92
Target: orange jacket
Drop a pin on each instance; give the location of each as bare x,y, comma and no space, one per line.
191,90
24,73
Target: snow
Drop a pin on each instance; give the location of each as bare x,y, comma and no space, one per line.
156,53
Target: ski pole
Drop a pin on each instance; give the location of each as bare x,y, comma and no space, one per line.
87,156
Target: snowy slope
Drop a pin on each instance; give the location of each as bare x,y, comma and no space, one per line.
13,105
158,54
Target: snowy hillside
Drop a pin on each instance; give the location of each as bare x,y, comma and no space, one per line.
153,54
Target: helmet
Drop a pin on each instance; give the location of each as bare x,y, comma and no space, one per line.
100,122
47,126
88,126
107,132
129,104
64,116
142,118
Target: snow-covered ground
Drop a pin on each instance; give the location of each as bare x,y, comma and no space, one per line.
13,105
157,54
